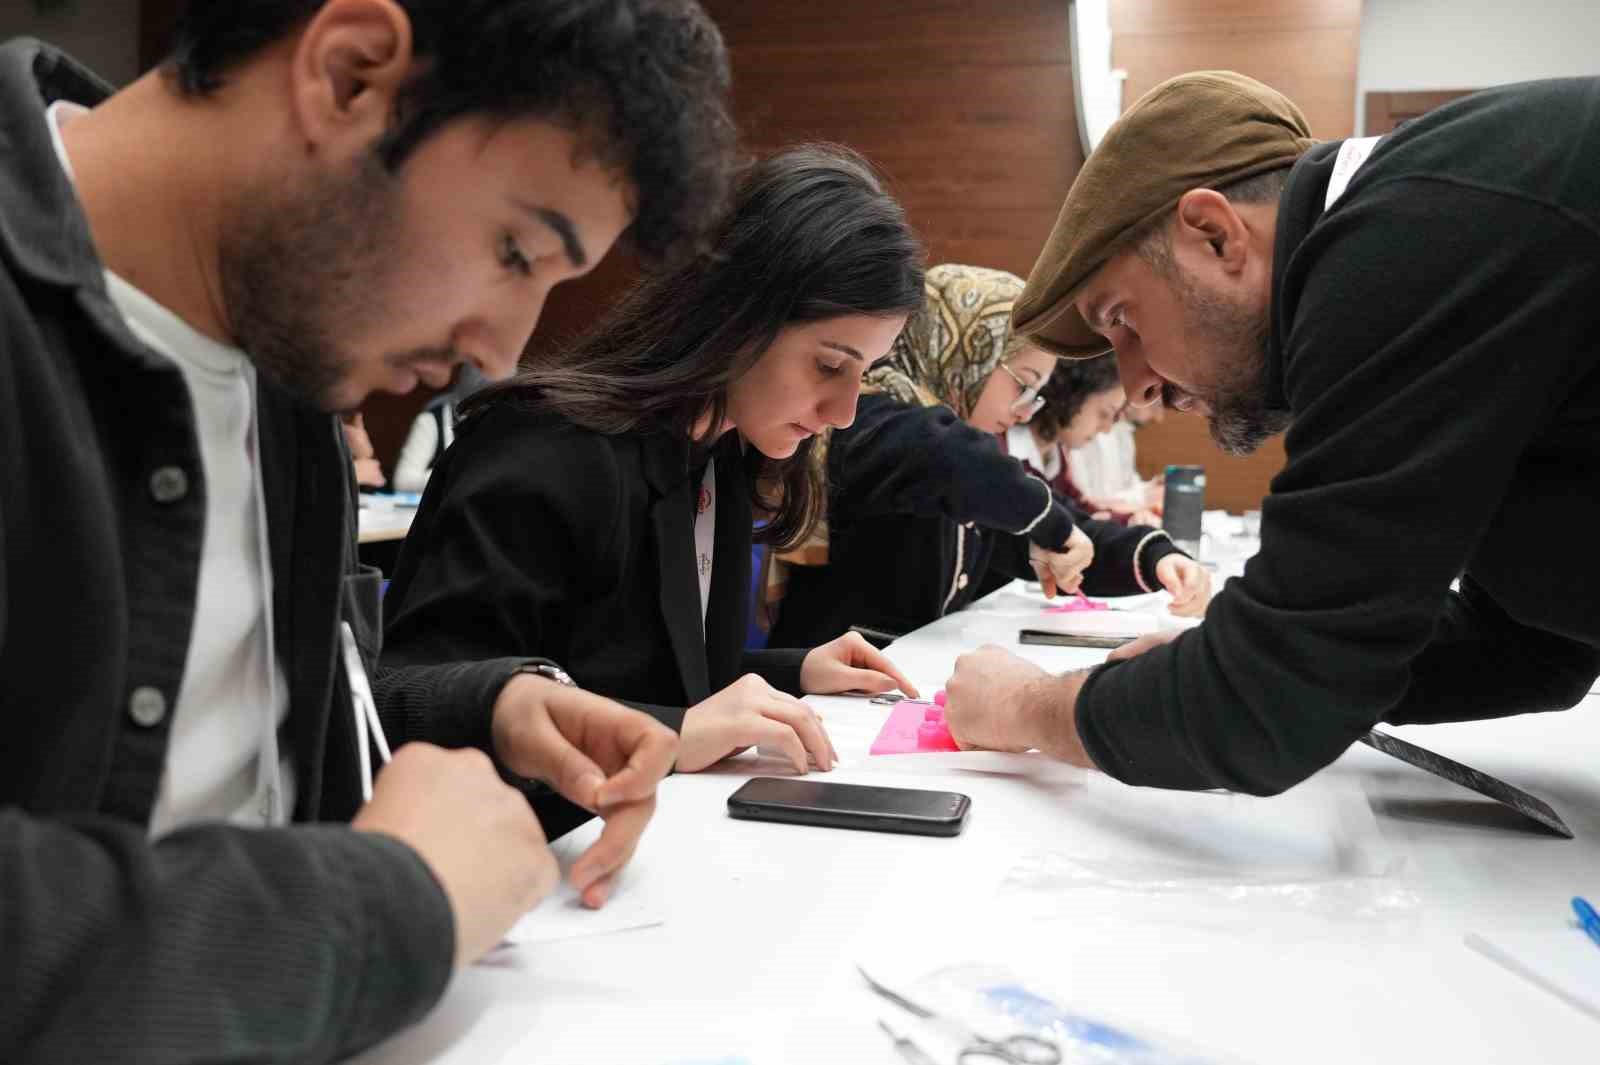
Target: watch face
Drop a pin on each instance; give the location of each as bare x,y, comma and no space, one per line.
549,672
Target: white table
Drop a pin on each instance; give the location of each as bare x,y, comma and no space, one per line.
380,520
764,922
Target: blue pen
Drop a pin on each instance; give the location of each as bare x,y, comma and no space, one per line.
1587,918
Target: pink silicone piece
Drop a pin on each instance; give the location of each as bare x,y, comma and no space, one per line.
938,697
1073,606
914,727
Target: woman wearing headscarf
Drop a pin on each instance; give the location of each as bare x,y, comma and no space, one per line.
923,502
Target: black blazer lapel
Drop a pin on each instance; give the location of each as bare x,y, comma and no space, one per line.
672,518
728,605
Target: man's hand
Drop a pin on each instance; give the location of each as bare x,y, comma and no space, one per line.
1062,570
1143,644
850,663
597,753
748,713
1000,702
1188,581
476,835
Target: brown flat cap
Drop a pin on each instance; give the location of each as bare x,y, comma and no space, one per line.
1202,130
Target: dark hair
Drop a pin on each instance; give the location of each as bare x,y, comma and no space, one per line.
643,82
812,235
1069,388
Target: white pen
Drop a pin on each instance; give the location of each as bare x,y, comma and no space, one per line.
368,727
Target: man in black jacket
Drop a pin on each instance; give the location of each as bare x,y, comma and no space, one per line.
312,200
1422,307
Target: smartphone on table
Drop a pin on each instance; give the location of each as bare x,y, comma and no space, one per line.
1047,638
820,802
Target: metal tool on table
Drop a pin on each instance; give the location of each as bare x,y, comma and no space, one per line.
1529,806
1019,1049
906,1048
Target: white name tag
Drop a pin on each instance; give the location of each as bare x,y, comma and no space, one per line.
1352,153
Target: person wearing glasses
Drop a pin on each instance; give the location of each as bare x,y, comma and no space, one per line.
923,501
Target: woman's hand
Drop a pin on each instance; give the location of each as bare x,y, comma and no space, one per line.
1062,570
1188,581
747,713
850,663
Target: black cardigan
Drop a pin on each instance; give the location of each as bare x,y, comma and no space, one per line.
537,537
922,508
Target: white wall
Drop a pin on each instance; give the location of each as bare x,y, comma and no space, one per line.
101,34
1472,44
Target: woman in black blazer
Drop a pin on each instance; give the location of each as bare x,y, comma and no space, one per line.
599,511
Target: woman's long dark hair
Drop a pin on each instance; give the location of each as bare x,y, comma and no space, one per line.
811,235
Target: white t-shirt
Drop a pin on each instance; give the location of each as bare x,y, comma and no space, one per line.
230,701
1020,444
1104,467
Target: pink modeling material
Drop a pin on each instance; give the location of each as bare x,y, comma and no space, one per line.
1072,606
915,727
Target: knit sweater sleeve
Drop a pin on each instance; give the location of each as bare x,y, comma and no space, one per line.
1421,357
899,459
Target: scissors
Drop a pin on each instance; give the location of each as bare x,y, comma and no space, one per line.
1019,1049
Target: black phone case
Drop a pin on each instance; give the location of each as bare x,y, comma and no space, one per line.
746,809
1048,638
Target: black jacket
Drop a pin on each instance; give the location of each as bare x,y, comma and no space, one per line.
214,943
1435,335
536,537
922,510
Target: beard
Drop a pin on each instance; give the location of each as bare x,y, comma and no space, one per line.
1231,338
300,272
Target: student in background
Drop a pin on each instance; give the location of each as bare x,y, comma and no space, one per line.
195,273
923,500
1081,402
1107,469
601,511
433,431
368,471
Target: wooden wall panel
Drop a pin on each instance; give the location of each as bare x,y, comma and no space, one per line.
967,109
1306,49
1386,110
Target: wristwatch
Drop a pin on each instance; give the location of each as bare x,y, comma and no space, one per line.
548,670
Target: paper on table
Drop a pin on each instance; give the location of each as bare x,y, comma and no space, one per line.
1100,623
1556,957
564,916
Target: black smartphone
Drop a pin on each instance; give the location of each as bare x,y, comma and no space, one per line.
821,802
1047,638
1183,505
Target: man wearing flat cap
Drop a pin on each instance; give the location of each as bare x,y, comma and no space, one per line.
1421,313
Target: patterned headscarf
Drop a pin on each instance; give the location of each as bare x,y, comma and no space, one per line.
950,347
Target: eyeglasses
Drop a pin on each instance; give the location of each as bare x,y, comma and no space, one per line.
1028,400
